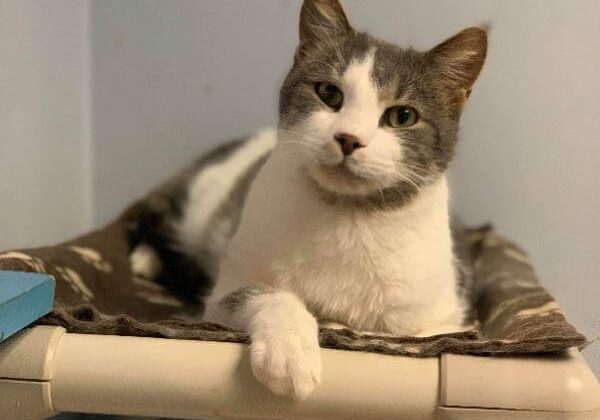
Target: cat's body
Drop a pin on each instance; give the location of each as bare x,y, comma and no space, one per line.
390,271
346,218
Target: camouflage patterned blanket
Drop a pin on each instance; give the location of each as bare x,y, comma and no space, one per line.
97,294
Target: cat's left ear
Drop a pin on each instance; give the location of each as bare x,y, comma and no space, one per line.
460,59
321,21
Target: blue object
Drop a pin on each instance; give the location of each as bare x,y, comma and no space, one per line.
24,297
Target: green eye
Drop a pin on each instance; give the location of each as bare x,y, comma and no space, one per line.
400,117
330,95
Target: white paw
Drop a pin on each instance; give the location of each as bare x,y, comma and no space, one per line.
145,262
285,356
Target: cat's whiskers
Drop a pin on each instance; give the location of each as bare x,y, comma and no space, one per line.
407,178
402,174
302,143
399,165
299,138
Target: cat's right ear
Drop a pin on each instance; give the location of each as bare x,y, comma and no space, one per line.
320,21
460,59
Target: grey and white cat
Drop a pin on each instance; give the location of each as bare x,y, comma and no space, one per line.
345,217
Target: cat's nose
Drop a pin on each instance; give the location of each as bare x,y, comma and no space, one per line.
348,143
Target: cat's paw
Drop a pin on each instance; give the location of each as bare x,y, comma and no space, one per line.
286,357
145,262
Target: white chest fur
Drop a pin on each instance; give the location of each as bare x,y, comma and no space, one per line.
386,271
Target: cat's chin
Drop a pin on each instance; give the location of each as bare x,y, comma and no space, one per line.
341,180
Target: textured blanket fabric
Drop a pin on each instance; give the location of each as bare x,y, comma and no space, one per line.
97,294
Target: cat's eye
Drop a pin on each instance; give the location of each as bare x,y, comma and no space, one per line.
330,94
400,117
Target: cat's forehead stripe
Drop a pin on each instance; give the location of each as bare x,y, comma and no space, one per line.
358,76
361,97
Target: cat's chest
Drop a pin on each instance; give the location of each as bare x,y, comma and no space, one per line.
358,246
352,267
353,270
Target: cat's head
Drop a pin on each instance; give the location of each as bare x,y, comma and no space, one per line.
370,121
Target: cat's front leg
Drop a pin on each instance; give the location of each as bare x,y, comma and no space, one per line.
284,347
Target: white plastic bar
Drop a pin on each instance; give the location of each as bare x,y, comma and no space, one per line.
45,370
550,383
200,380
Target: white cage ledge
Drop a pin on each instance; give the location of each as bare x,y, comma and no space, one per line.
44,371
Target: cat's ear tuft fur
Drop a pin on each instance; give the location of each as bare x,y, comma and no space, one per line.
320,21
460,58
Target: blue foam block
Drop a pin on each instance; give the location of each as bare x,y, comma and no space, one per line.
24,297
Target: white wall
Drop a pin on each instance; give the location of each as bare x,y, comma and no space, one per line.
171,79
44,164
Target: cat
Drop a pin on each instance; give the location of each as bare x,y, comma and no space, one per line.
339,214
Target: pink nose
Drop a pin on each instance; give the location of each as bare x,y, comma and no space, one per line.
348,143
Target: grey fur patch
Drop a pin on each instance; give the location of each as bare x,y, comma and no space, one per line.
233,301
226,218
463,263
151,222
385,199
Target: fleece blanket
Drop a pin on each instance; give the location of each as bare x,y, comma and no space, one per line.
96,293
